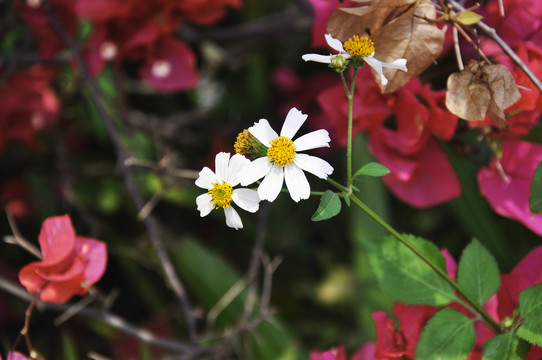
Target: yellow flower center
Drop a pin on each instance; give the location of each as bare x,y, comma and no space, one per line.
221,194
359,47
282,151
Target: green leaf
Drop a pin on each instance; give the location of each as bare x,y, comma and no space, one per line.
530,302
330,205
449,335
405,276
535,196
372,169
478,273
468,17
502,347
530,308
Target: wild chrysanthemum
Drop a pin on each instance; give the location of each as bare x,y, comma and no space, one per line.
282,160
221,192
359,49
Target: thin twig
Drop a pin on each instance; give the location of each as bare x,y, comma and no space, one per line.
129,180
490,32
457,50
18,239
106,317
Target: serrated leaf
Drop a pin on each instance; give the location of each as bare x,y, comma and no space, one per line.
535,195
372,169
469,17
330,205
530,308
449,335
405,276
502,347
530,302
531,330
478,273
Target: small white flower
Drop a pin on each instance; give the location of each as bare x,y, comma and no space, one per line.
356,47
221,192
283,160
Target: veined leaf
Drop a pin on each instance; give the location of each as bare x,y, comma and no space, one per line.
372,169
449,335
330,205
407,277
478,273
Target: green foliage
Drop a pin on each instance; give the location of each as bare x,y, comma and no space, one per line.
449,335
330,205
405,276
478,273
502,347
535,196
530,308
372,169
209,278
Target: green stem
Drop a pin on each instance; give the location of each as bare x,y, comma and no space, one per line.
472,305
350,96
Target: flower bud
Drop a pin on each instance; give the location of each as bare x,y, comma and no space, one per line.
247,144
338,62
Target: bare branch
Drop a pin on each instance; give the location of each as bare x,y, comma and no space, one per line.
490,32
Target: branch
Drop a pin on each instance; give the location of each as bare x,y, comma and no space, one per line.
491,33
129,180
108,318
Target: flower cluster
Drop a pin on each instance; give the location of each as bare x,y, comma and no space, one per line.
406,128
277,159
70,264
135,30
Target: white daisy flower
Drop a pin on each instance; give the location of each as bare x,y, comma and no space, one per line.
283,160
357,48
221,192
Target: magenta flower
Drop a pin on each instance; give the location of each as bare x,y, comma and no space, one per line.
507,191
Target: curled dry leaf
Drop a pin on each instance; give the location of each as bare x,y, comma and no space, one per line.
399,29
480,90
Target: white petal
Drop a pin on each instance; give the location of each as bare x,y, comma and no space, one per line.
256,170
293,122
271,185
222,160
232,218
314,165
335,44
246,199
313,140
205,204
377,65
397,64
237,163
263,132
206,178
325,59
296,182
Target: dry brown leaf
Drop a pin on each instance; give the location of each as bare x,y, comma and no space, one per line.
481,90
394,3
411,37
397,32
